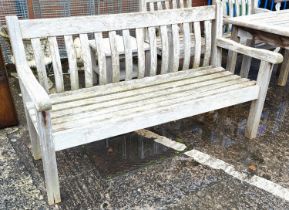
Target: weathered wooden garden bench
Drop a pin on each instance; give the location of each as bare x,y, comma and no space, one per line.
74,116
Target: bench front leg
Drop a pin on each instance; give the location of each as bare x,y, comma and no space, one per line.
48,157
263,81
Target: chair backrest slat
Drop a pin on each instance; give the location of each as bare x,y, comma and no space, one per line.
165,49
101,59
85,52
141,52
153,51
198,44
175,57
208,42
114,56
72,62
128,55
40,62
187,46
56,62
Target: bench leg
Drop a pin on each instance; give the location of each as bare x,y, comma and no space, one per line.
48,158
254,118
284,71
35,144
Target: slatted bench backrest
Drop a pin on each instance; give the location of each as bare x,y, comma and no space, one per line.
152,5
99,26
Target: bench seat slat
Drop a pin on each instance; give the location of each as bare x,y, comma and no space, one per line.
148,90
129,85
164,112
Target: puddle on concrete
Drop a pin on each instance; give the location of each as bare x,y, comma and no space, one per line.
120,154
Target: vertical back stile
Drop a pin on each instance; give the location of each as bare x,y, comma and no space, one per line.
40,63
140,52
56,62
208,42
128,55
198,44
101,58
153,51
114,56
175,57
187,46
72,63
85,51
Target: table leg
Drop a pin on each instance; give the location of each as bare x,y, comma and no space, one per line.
248,40
232,56
284,71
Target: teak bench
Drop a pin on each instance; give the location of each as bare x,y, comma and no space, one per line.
75,116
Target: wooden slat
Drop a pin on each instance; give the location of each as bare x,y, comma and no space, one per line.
114,57
140,52
108,110
122,111
101,59
153,51
72,63
250,7
103,102
198,44
85,52
152,6
208,43
182,4
231,12
128,54
167,4
165,49
40,63
175,57
243,7
128,85
187,46
93,132
57,67
94,101
81,25
237,5
174,4
159,5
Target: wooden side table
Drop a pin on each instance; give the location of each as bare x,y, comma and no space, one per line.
8,115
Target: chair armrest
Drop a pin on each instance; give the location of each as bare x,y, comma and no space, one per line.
35,91
264,55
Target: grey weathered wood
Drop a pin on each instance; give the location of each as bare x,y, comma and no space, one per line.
165,49
48,157
263,80
187,46
67,119
40,63
153,51
114,57
232,55
57,67
85,51
101,59
72,63
284,71
128,54
208,43
197,57
141,53
175,57
246,61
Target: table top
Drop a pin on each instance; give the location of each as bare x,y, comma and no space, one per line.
120,45
272,22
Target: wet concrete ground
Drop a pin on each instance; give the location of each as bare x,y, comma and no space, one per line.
133,172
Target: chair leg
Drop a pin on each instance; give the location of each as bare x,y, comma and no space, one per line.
284,71
48,158
35,144
254,118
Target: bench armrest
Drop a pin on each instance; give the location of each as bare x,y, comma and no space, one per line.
34,90
261,54
261,10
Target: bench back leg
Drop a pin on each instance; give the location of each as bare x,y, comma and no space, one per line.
48,158
263,81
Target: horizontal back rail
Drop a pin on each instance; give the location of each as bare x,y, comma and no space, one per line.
78,25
